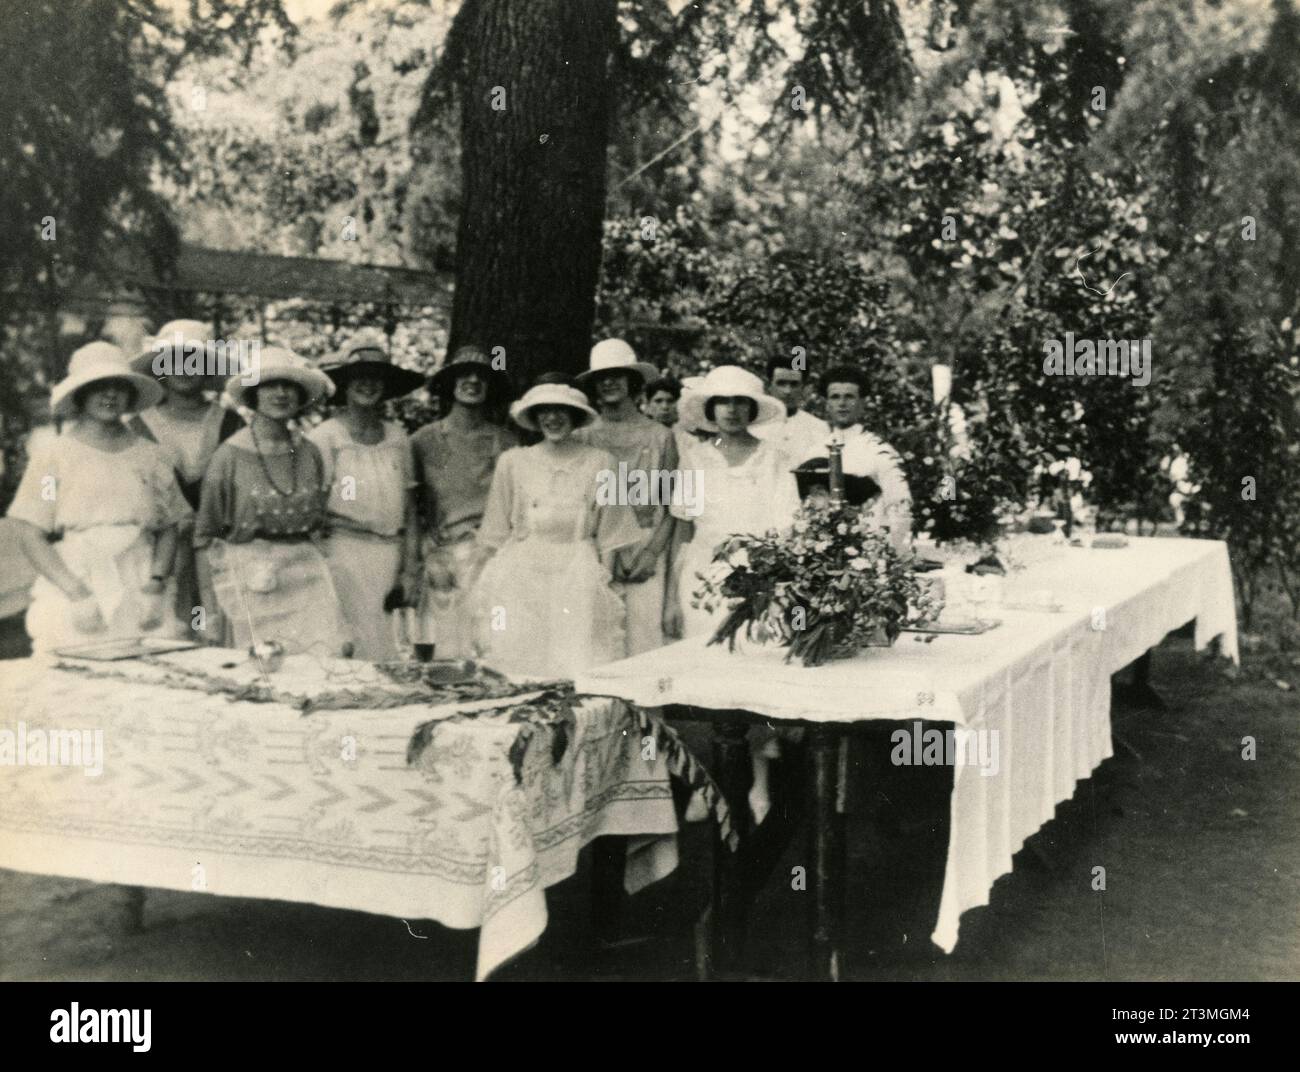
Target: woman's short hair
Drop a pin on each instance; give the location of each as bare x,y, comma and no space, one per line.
250,395
711,404
80,395
664,385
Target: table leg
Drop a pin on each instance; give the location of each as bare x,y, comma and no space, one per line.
1138,692
734,775
608,862
827,835
135,909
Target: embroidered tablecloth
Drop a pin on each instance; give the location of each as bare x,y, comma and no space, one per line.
259,800
1040,681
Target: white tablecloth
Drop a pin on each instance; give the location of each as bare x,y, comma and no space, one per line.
1041,681
258,800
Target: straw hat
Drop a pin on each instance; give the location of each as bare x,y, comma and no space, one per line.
98,361
610,355
726,381
365,352
193,336
467,357
551,394
278,364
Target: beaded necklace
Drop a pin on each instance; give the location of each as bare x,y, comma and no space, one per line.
266,472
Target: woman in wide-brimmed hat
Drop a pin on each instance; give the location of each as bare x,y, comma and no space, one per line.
543,605
189,424
100,508
742,486
455,458
373,544
262,512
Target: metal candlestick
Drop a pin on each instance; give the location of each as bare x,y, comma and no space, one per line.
836,448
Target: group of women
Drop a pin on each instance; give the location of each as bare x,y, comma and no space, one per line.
157,509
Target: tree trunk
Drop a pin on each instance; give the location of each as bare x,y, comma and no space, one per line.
534,131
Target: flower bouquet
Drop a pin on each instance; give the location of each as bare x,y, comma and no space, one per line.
830,587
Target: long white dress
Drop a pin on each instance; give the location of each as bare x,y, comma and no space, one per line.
750,498
105,510
367,513
543,606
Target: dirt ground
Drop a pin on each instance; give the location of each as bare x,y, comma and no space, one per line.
1201,850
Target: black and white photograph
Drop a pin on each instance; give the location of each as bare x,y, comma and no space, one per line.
641,491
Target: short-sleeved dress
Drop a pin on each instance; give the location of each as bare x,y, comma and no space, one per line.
648,450
189,445
454,468
543,606
262,518
751,498
368,486
104,510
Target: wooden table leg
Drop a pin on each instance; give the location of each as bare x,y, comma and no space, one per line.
826,829
734,775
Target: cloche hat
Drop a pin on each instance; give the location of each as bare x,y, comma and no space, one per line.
551,394
277,363
615,355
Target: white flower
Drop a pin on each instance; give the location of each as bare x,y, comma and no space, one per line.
739,559
1074,467
1178,469
850,551
842,529
859,564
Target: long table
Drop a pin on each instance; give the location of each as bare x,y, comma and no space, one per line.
1039,685
199,793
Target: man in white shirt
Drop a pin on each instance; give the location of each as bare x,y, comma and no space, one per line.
866,454
800,435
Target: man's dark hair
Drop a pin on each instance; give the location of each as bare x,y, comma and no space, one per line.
664,383
774,363
844,374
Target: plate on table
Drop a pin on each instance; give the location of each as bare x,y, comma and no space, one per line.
125,648
967,628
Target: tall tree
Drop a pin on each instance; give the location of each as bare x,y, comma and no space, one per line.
535,81
535,103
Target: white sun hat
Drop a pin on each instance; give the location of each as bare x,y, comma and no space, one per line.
194,336
727,381
101,361
275,363
611,355
551,394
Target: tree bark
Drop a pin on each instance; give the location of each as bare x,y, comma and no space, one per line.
534,129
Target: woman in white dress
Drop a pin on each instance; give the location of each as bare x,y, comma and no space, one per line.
746,488
373,544
543,604
100,509
745,485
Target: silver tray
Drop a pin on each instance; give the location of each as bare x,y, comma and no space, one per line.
125,648
956,628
